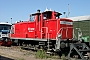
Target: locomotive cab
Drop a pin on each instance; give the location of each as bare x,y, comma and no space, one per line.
51,15
47,15
45,20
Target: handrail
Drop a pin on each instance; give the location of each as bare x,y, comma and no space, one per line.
47,35
46,31
62,30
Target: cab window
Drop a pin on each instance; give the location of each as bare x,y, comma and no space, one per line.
47,15
32,18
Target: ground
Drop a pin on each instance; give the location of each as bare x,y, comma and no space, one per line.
16,53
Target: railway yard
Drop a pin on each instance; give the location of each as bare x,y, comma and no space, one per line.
16,53
47,34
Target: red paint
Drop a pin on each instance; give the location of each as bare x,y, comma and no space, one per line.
4,43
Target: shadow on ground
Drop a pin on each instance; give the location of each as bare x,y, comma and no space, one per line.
5,58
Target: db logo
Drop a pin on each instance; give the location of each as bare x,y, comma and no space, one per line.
31,28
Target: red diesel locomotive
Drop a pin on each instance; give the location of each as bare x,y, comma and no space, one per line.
42,31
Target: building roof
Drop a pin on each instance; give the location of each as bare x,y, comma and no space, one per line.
80,18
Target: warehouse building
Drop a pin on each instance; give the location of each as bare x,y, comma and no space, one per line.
82,23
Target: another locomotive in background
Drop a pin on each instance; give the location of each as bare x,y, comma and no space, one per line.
5,33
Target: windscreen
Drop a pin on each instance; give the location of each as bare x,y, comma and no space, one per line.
4,28
47,15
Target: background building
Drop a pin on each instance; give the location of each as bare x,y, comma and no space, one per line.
82,23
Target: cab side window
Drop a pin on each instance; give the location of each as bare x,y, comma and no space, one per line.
32,18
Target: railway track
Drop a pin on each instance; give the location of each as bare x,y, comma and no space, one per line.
16,53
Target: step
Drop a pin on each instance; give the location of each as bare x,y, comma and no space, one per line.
49,42
86,57
41,44
49,52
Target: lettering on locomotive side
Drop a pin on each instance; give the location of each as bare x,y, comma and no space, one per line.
65,22
31,29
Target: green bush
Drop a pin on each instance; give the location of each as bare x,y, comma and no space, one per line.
63,57
41,54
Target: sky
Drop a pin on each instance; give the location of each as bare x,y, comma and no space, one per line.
21,9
